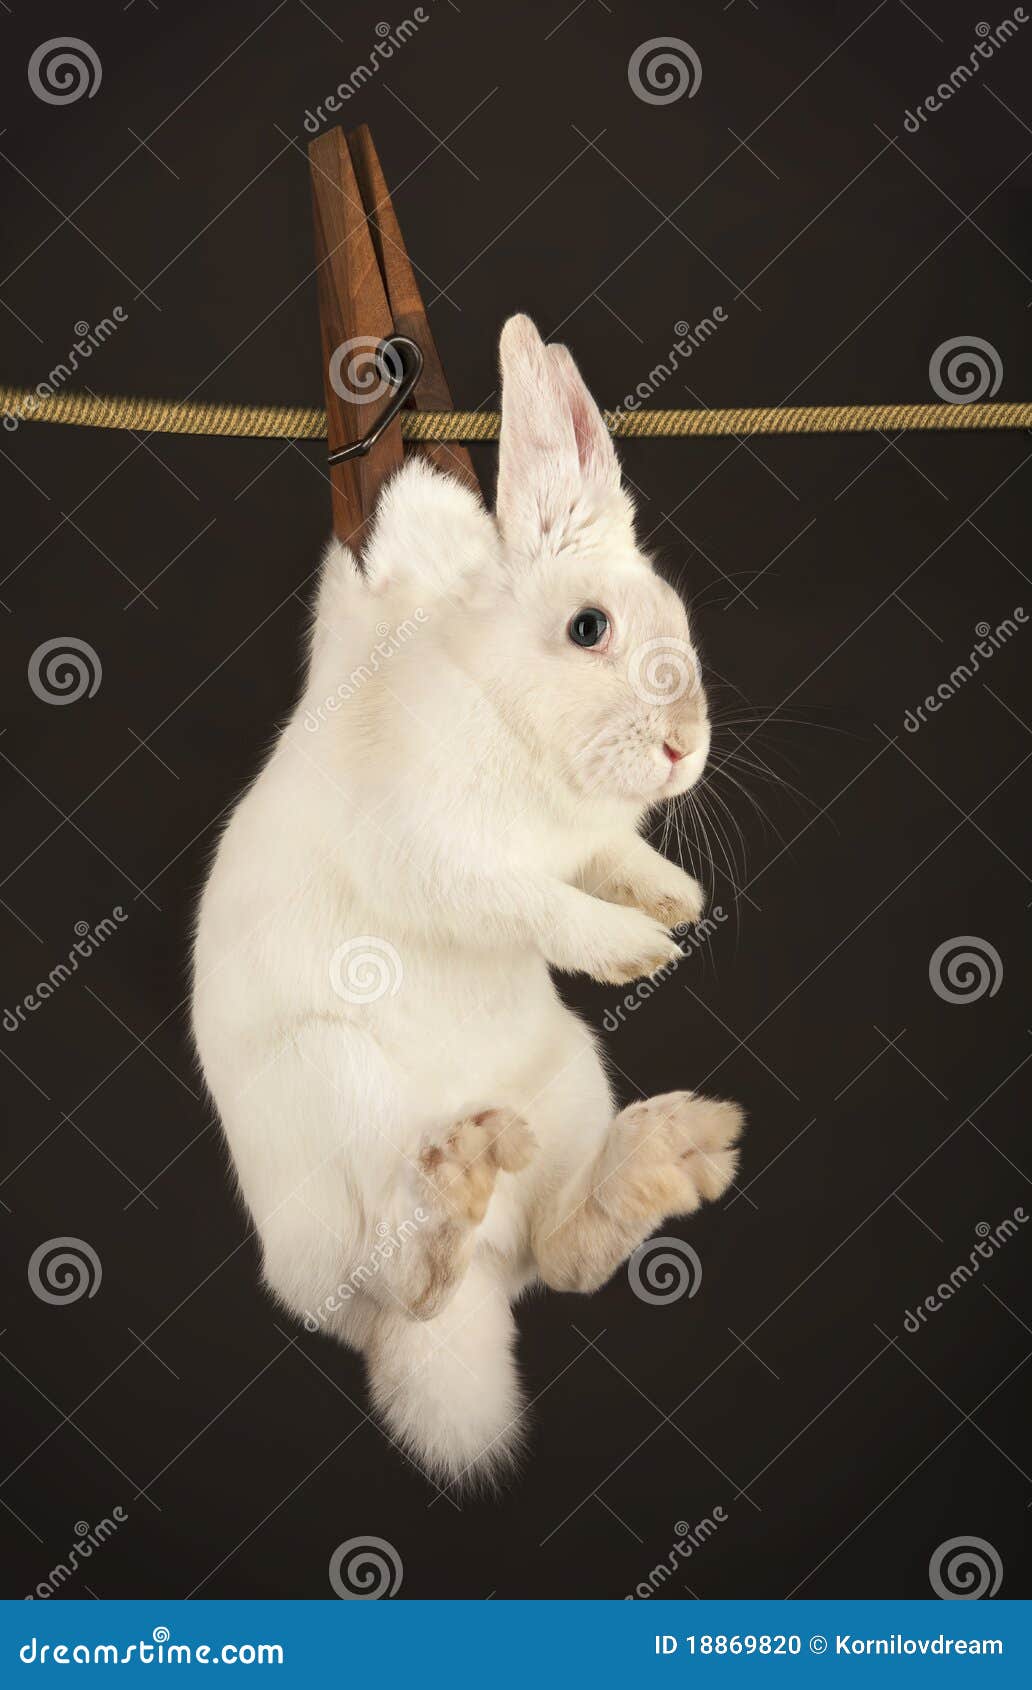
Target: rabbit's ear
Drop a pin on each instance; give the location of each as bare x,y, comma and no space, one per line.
553,445
595,450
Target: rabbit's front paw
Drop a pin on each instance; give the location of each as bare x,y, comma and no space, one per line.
677,900
632,949
644,880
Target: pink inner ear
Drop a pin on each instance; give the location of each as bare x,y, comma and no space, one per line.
585,427
595,453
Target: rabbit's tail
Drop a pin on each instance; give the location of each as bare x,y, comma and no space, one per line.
448,1388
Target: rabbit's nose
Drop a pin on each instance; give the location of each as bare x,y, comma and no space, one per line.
681,739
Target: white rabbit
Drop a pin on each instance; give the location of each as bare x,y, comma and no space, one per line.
420,1127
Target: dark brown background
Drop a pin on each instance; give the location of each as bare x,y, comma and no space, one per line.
838,580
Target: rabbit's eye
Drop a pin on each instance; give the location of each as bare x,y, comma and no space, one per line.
588,627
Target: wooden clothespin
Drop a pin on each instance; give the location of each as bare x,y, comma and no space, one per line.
369,296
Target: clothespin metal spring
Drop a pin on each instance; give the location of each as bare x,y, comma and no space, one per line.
401,361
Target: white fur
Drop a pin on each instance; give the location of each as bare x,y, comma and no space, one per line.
460,788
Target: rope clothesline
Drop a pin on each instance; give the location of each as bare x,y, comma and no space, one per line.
285,422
